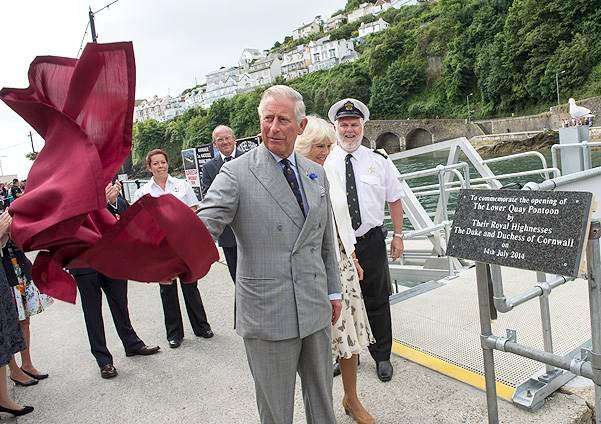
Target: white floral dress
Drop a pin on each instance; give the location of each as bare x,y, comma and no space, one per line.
351,333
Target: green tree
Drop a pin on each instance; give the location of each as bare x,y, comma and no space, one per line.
147,135
243,116
31,155
196,132
390,92
351,5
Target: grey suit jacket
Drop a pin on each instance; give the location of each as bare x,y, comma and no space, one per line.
286,264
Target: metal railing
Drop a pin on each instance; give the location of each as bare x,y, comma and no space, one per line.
558,369
440,171
474,181
520,155
585,152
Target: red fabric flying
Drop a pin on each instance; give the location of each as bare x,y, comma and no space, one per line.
83,108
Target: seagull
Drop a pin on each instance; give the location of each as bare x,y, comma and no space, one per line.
578,111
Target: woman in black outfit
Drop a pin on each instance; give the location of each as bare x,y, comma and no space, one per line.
11,338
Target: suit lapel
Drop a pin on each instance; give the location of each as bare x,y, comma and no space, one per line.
218,163
311,187
269,174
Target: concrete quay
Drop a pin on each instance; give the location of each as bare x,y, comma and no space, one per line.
207,381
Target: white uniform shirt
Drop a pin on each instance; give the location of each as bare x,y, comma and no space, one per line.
179,188
377,182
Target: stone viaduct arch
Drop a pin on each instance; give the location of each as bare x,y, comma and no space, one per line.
399,135
389,141
417,137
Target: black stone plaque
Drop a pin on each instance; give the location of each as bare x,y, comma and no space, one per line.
537,230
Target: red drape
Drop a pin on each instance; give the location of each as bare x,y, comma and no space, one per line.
83,108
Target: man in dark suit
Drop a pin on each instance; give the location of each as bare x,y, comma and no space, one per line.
224,140
91,284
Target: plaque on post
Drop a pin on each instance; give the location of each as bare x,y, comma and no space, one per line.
536,230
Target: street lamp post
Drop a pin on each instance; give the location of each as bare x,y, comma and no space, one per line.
469,112
557,74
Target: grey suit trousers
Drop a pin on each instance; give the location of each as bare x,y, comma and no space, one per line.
274,365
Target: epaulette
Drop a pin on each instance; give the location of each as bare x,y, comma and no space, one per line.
381,152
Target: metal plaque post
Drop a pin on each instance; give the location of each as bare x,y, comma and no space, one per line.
482,277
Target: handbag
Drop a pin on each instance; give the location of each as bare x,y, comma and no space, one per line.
28,298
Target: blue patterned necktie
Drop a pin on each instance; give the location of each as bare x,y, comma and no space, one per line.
352,198
228,158
293,183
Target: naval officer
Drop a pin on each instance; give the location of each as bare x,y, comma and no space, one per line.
371,181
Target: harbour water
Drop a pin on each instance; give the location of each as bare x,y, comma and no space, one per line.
528,163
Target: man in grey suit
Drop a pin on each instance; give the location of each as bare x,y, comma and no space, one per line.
287,288
225,142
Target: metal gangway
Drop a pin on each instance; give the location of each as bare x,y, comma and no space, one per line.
436,320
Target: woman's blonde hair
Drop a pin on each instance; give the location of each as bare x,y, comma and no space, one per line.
317,130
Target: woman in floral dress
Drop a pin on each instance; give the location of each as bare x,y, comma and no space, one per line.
11,338
351,333
29,301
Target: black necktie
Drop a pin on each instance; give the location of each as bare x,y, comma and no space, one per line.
293,183
228,158
351,194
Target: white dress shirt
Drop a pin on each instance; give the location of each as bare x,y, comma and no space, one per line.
377,181
233,155
179,188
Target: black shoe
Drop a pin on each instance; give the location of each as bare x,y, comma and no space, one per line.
384,370
174,343
31,382
17,412
36,376
108,371
144,351
207,334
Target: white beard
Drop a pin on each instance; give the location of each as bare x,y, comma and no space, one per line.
349,147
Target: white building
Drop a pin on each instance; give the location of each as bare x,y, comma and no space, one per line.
195,97
248,56
153,108
222,83
397,4
174,106
326,54
381,6
334,22
308,29
364,9
372,27
265,71
296,62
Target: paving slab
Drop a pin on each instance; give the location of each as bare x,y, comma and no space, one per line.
208,380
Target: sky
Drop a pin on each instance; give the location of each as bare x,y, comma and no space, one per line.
176,43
